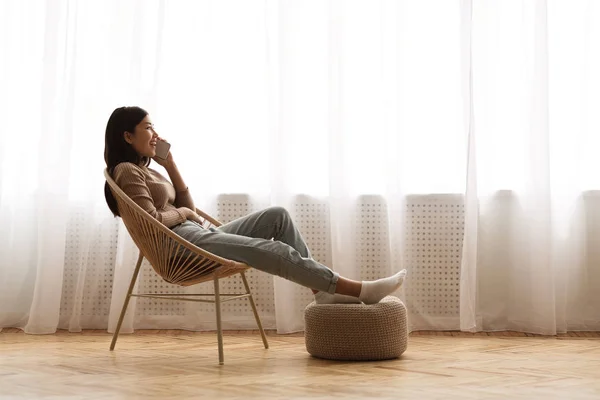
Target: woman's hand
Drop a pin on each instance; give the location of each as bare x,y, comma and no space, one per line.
167,162
192,216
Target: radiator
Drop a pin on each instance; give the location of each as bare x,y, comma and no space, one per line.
430,250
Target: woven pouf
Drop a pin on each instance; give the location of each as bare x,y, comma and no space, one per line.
356,331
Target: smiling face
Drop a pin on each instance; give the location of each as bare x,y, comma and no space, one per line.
143,138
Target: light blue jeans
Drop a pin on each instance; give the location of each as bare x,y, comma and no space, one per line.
248,240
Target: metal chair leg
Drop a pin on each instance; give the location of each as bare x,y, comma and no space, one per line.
126,303
219,327
251,299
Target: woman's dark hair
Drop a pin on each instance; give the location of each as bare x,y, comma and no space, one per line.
116,149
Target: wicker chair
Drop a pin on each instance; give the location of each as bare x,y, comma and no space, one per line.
178,262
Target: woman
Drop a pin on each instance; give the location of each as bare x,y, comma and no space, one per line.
130,144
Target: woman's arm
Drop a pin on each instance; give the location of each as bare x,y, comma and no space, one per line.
183,198
175,175
131,180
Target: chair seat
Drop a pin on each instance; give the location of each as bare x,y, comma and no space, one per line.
356,331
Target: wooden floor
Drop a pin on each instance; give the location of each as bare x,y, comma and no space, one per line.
177,364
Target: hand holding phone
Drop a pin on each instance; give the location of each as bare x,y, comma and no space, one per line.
162,149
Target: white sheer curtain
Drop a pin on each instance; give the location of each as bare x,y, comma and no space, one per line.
529,261
350,107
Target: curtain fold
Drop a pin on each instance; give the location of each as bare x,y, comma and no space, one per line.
455,139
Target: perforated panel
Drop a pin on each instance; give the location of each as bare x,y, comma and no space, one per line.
89,264
372,249
311,215
150,282
434,235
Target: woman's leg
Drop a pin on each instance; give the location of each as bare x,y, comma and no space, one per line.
276,223
273,257
270,223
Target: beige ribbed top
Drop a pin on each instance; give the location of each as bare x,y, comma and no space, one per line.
153,192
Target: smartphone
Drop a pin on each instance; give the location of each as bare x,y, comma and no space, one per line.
162,149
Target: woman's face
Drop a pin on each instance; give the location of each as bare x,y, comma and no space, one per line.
143,138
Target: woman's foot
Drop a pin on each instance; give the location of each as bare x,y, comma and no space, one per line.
373,291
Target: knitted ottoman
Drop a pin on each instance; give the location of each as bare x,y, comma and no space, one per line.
356,331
